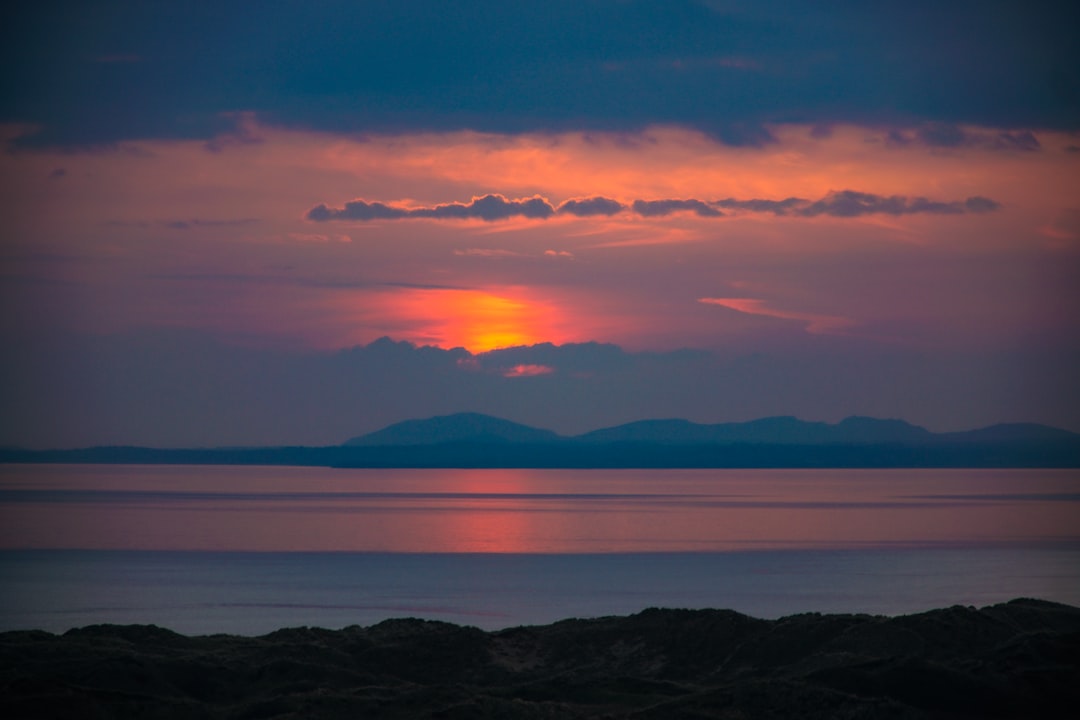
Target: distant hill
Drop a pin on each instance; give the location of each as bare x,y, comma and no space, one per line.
473,440
461,427
476,428
1010,433
774,430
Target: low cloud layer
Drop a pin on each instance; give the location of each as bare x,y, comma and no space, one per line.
178,388
843,204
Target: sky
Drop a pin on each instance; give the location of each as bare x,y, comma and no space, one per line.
294,223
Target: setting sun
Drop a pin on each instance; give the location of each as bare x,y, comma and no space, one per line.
478,320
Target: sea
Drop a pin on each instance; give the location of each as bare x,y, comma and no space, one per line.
248,550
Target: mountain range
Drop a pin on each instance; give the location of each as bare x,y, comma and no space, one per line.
472,440
482,429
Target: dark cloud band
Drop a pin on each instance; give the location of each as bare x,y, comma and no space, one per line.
88,76
842,204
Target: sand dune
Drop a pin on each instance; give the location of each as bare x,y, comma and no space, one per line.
1014,660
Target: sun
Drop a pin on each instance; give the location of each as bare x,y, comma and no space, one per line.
488,322
480,320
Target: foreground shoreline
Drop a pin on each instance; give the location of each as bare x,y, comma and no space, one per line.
1015,659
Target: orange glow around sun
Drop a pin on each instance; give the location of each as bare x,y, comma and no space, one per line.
478,320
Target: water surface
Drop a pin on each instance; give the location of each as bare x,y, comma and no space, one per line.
284,509
250,549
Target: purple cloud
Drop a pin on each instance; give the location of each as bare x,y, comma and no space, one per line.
776,207
948,135
356,210
660,208
588,207
488,207
849,203
843,203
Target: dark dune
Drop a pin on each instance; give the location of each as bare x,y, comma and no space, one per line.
1015,660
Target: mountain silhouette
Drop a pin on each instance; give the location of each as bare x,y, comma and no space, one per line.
474,440
1011,433
477,428
460,427
774,430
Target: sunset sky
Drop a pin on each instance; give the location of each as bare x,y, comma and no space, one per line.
286,222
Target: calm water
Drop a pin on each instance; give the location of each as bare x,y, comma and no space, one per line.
251,549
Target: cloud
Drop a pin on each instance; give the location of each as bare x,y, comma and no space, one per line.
490,207
1024,140
488,252
740,134
319,238
197,223
1064,228
776,207
570,359
181,224
499,253
849,203
357,210
519,371
243,131
841,204
587,207
979,204
726,69
661,208
487,207
942,135
193,390
949,135
815,323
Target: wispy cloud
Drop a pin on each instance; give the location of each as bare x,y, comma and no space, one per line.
948,135
487,252
198,222
184,224
815,323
